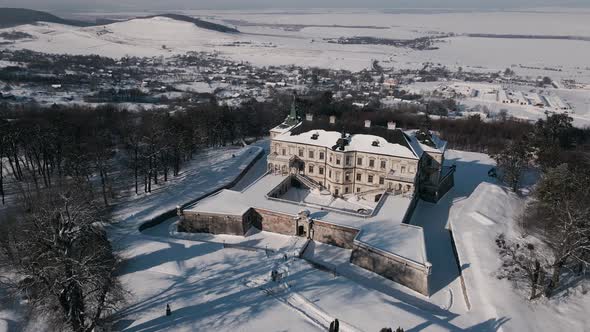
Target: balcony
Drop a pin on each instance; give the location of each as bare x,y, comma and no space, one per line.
397,176
276,157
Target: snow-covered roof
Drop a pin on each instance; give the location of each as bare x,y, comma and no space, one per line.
356,142
384,230
282,128
438,145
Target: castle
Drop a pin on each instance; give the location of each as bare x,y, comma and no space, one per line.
354,188
363,160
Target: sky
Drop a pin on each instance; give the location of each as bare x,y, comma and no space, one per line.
87,5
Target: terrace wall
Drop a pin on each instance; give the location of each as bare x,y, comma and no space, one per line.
406,272
400,270
270,221
335,235
200,222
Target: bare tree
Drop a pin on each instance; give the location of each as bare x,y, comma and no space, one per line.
61,259
513,161
561,213
521,261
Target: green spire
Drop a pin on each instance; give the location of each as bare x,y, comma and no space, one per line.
292,119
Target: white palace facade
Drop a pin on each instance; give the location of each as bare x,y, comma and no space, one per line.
368,159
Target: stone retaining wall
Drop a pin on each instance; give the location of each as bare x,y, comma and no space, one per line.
335,235
406,272
398,269
275,222
213,223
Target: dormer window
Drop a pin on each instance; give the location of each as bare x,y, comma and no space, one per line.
375,143
315,136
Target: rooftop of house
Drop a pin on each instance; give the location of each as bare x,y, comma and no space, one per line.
365,137
384,230
348,143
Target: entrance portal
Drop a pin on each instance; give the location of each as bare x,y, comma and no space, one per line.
301,230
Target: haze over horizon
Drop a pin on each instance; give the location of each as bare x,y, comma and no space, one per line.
146,5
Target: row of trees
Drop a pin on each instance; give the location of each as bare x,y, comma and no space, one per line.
559,211
43,147
54,252
471,134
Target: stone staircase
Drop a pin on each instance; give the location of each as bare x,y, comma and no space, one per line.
309,183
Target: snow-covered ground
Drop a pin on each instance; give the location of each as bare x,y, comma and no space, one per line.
222,283
349,202
189,272
271,38
492,95
298,37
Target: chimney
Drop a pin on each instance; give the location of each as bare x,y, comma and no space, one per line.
332,119
391,125
309,117
367,123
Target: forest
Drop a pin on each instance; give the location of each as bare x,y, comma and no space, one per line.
42,146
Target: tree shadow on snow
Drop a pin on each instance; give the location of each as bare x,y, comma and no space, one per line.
189,294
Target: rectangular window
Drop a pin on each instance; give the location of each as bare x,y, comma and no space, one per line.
358,189
370,179
336,192
371,163
359,176
337,176
346,190
347,177
284,152
359,161
321,156
300,152
321,171
348,160
311,154
337,161
381,180
383,163
330,174
331,157
403,169
310,168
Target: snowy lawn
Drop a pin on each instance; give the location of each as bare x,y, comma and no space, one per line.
206,287
214,288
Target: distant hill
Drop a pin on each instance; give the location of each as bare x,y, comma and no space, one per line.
11,17
198,22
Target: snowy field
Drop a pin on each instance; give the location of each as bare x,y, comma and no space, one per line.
297,37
